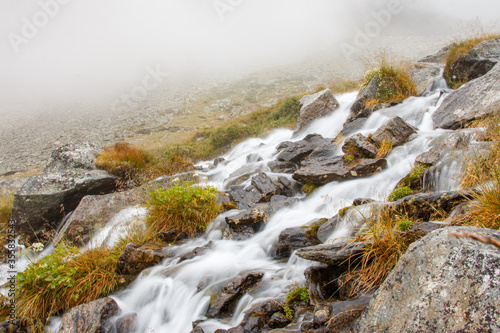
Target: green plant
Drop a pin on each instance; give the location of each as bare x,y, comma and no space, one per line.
415,174
456,53
65,279
349,158
309,188
298,294
394,80
184,207
405,223
288,312
399,193
343,211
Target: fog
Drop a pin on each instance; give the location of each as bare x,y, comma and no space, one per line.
82,51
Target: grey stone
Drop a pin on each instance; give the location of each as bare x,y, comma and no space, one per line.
136,258
282,167
442,283
369,93
253,217
359,146
442,145
297,151
291,239
89,318
395,130
315,106
473,100
479,61
330,254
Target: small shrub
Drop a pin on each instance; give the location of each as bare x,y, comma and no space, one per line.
298,294
395,82
384,149
456,53
399,193
184,207
349,158
288,312
65,279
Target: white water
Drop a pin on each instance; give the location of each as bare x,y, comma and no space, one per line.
170,296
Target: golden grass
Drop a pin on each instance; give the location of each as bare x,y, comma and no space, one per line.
384,148
5,211
386,239
457,52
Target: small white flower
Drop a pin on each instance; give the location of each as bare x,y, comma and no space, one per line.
37,247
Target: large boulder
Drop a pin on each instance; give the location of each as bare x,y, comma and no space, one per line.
441,284
315,106
396,130
479,61
90,318
45,198
370,92
323,170
442,146
359,146
291,239
94,211
297,151
475,99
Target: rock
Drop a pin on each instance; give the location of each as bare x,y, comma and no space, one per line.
315,106
441,284
245,198
424,205
278,320
321,171
127,323
294,238
442,145
196,252
369,93
424,75
327,228
475,99
173,235
94,212
287,187
243,174
282,167
11,186
219,160
361,201
238,233
279,202
439,57
252,158
479,61
350,127
297,151
89,318
135,258
254,324
321,316
322,281
423,228
344,313
265,186
22,326
198,329
230,294
395,130
253,217
45,198
359,146
330,254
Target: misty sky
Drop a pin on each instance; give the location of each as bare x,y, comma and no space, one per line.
94,48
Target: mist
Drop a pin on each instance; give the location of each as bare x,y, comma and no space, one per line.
90,51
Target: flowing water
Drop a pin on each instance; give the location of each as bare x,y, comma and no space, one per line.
170,296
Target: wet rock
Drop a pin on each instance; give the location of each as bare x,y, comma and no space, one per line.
294,238
362,201
344,313
479,61
369,93
22,326
89,318
279,202
359,146
297,151
442,283
265,186
327,228
229,296
321,315
395,130
282,167
94,212
238,233
253,217
196,252
219,160
442,146
136,258
350,127
423,228
287,187
315,106
321,171
243,174
322,281
424,205
278,320
127,323
198,329
473,100
424,74
251,158
173,235
45,198
330,254
245,198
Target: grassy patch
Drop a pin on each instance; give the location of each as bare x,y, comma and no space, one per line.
298,294
65,279
457,53
399,193
137,167
184,207
395,82
386,240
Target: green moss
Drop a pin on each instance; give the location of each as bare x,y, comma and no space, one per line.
309,188
343,211
405,224
349,158
399,193
415,174
298,294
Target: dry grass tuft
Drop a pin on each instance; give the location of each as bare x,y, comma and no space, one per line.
480,238
5,211
384,149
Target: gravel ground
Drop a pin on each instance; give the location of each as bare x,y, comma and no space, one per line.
27,141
